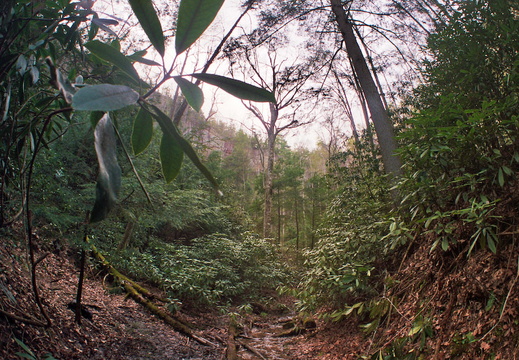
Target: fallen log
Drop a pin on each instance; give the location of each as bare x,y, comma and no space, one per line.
168,319
123,277
143,296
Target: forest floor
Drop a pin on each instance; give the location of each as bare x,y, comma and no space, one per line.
122,329
472,305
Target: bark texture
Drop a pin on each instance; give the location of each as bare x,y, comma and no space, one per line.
383,126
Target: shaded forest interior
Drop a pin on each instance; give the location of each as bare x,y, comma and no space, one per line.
136,223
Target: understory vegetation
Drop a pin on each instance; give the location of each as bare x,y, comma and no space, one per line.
189,242
457,201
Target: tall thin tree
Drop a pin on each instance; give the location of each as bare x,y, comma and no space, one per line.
379,115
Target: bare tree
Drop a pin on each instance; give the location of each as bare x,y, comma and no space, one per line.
291,86
343,101
379,115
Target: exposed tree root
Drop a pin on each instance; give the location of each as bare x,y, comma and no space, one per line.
251,349
231,351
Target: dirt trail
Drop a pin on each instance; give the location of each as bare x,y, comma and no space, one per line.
123,330
263,336
303,340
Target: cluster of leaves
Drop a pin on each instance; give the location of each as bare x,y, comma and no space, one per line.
28,353
31,113
341,267
176,230
40,42
460,162
460,148
192,21
211,270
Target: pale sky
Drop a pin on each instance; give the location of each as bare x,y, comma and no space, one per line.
229,108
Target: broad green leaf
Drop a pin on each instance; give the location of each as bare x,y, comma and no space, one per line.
92,32
60,82
25,347
491,244
109,178
500,177
116,44
103,24
192,93
507,170
171,156
150,23
35,74
104,97
472,246
113,56
106,21
237,88
25,356
490,302
168,127
138,53
142,131
7,101
21,64
194,16
66,88
415,330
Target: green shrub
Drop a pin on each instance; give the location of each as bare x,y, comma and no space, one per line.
213,269
340,268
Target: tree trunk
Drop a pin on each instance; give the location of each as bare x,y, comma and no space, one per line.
231,352
279,217
271,142
383,126
127,235
373,71
267,211
312,238
297,223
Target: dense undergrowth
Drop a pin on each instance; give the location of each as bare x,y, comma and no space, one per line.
211,270
435,275
187,242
